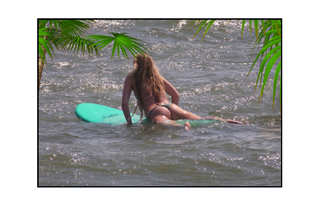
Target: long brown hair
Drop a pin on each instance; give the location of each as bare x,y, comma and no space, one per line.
147,78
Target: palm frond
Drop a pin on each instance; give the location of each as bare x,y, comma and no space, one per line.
56,39
263,26
209,25
193,24
130,43
51,24
263,50
121,41
275,23
275,81
44,44
267,35
256,26
275,32
280,94
77,44
268,55
67,27
260,35
243,22
100,40
270,64
201,26
73,28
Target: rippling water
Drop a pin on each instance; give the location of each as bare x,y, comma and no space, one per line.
211,79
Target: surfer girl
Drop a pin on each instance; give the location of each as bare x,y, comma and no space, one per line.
150,89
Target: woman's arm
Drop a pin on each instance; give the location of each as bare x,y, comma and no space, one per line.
171,91
127,87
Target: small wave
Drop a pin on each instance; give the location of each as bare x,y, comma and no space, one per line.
59,65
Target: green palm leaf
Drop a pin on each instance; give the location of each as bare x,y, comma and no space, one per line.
263,50
261,35
56,39
274,50
209,25
263,26
121,41
73,27
50,24
268,69
192,23
269,32
77,44
66,35
132,43
275,81
115,45
275,23
273,32
100,40
201,26
243,22
256,26
280,94
274,38
44,32
268,55
44,44
124,53
67,27
269,29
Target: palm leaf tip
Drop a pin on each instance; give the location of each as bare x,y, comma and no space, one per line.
209,25
120,41
276,75
243,23
201,26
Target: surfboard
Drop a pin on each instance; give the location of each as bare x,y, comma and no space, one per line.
96,113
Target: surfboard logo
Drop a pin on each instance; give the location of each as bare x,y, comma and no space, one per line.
110,116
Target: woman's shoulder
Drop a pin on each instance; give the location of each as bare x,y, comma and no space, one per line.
129,78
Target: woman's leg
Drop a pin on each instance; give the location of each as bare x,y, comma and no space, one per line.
160,119
161,115
178,113
223,120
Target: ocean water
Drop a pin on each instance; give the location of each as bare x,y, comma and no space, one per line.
211,79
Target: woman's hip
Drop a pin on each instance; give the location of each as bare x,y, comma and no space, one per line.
159,111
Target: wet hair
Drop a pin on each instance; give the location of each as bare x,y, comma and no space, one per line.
147,78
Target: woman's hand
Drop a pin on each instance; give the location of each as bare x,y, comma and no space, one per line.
127,87
171,91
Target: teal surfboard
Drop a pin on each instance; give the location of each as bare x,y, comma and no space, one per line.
97,113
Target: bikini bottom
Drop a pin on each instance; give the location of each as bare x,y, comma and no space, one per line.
164,105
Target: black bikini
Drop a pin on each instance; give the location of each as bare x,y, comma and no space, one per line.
164,105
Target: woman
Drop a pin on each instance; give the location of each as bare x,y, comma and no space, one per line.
150,89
